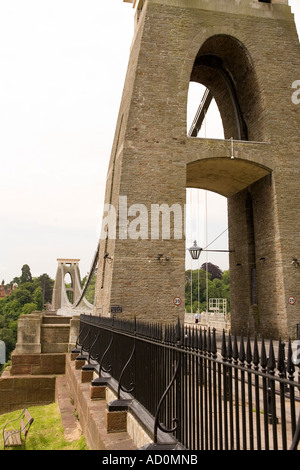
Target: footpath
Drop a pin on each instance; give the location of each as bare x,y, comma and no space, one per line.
70,423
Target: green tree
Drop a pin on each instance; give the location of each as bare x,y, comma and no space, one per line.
11,311
16,280
46,284
214,270
28,308
29,296
217,288
38,298
26,274
22,295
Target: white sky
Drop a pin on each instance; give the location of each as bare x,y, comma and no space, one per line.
62,70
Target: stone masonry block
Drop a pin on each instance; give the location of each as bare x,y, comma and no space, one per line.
79,363
115,421
73,356
87,375
97,392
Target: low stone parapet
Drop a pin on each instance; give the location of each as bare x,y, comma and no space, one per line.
21,392
37,364
92,414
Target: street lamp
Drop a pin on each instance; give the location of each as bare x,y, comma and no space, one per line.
195,251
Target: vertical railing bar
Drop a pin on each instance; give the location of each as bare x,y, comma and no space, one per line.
197,397
184,404
273,417
198,418
155,399
187,400
214,356
250,406
201,404
220,401
183,397
167,367
257,394
210,421
230,391
242,361
225,390
202,383
283,416
263,361
291,370
225,404
215,402
281,369
237,400
173,401
191,422
194,407
205,394
265,411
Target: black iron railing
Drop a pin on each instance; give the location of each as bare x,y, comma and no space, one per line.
209,391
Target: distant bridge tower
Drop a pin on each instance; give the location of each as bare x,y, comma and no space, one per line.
64,297
246,53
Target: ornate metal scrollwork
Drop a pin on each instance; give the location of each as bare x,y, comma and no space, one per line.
77,344
120,386
101,368
91,348
84,341
175,421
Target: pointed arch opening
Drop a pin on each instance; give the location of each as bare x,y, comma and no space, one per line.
223,103
69,287
224,67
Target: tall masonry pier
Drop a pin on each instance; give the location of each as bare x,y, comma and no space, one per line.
246,53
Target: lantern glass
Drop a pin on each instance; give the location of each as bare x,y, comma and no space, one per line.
195,251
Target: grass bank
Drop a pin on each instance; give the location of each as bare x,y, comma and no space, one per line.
46,432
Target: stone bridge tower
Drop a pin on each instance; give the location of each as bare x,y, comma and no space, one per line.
246,53
64,297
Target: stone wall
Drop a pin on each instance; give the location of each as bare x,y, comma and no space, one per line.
41,332
37,364
92,414
20,392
